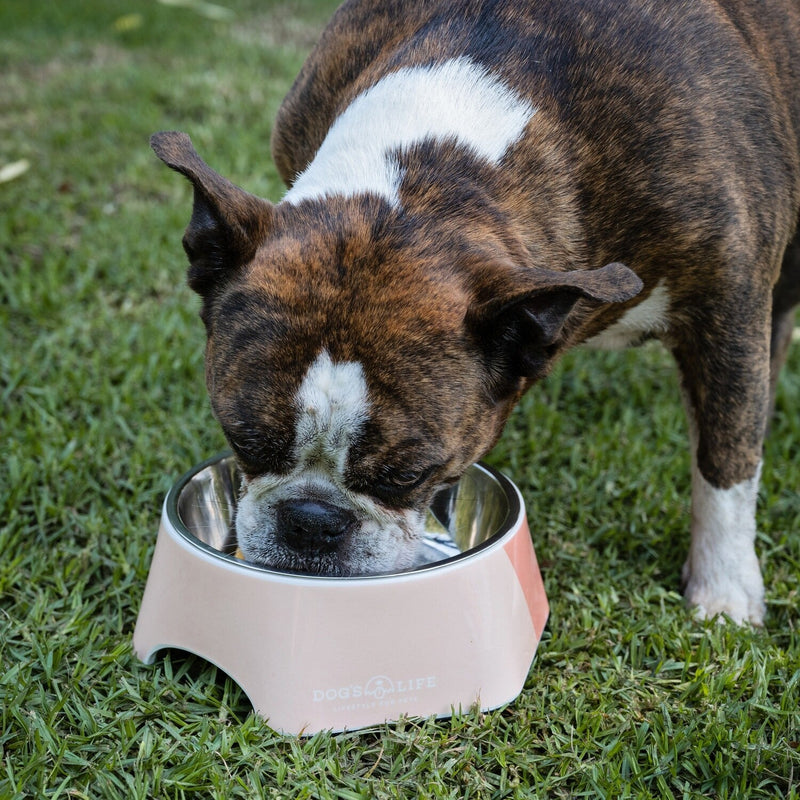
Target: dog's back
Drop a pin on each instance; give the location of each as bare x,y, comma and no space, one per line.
648,78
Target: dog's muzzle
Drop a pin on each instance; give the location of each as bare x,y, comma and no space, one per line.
313,526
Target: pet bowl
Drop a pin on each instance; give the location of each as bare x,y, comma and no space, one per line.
322,653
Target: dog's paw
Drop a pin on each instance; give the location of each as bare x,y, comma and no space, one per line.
736,593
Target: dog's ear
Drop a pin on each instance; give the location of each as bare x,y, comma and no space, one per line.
520,315
227,223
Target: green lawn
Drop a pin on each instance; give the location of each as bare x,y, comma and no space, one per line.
104,406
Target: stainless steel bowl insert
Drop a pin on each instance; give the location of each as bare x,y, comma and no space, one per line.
462,519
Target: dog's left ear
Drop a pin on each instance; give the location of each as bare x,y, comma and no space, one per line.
227,223
520,315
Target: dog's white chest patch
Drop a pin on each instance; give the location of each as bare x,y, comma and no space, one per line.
332,404
455,100
649,317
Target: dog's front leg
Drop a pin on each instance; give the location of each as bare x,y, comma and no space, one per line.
725,374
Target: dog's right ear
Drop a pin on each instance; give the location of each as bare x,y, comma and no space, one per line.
227,223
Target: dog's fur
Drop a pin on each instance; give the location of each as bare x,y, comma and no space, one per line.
468,178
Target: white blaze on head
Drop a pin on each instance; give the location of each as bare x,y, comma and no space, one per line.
458,100
333,405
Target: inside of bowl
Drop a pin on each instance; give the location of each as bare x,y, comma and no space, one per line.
480,507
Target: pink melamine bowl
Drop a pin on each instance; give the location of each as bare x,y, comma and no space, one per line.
320,653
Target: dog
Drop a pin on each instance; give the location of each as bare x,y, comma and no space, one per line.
474,187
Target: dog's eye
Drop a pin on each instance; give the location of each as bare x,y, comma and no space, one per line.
393,486
254,457
405,479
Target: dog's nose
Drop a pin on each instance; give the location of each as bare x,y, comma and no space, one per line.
311,525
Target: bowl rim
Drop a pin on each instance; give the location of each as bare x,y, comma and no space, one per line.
507,528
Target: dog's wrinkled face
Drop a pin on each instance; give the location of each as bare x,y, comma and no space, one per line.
350,500
348,394
360,356
316,516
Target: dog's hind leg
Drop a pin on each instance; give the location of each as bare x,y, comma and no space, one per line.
785,296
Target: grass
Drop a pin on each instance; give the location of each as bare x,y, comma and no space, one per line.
104,406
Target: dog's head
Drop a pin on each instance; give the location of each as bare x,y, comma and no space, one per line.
360,358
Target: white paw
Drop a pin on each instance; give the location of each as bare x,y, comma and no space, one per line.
737,591
722,574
